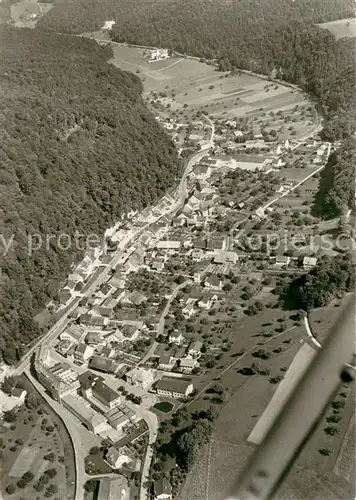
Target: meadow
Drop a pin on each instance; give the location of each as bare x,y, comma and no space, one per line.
187,85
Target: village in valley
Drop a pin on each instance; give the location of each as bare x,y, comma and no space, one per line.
169,302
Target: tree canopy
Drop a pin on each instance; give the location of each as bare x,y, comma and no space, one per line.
331,278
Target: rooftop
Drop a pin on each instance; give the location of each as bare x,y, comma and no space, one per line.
174,384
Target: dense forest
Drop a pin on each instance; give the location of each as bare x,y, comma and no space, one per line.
78,148
336,193
331,278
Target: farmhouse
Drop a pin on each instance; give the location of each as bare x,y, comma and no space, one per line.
174,387
157,54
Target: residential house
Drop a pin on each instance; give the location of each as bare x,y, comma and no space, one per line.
282,260
189,308
113,489
194,349
166,362
176,337
103,291
188,364
201,171
82,353
207,301
64,346
135,298
117,457
98,392
94,339
174,387
309,263
213,283
157,265
73,333
162,489
118,280
140,377
108,351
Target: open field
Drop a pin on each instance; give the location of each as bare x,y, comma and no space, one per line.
299,365
341,28
186,84
313,476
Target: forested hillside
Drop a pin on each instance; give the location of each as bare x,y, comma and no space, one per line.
196,25
78,148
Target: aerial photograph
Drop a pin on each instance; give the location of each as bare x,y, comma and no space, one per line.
177,249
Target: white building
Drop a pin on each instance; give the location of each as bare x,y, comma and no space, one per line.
309,263
108,25
188,364
140,377
176,338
